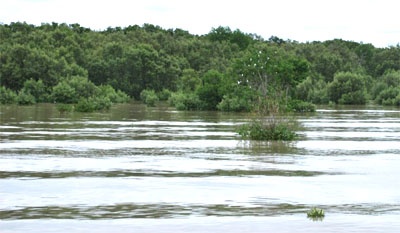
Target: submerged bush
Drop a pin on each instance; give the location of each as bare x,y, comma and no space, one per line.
164,94
269,130
24,98
348,88
301,106
234,104
114,96
316,213
92,104
149,97
7,96
65,107
37,89
64,93
389,96
185,101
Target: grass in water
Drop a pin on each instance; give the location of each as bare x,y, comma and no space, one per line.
272,129
316,214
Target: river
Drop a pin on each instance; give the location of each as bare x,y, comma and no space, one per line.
140,169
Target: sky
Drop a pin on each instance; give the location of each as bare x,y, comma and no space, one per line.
364,21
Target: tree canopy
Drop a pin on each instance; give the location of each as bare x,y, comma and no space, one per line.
224,69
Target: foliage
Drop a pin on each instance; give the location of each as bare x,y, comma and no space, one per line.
316,213
348,88
387,91
37,89
226,69
237,98
312,90
185,101
88,97
210,93
7,96
65,107
64,93
25,98
389,96
234,104
149,97
189,81
109,92
301,106
164,94
92,104
267,69
221,34
83,87
270,129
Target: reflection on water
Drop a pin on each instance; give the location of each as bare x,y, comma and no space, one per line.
191,169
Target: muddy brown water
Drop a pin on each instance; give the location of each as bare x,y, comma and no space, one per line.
140,169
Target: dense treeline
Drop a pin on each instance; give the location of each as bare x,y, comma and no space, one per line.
224,69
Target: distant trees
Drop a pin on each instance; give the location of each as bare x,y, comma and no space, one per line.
272,72
348,88
225,69
387,89
237,37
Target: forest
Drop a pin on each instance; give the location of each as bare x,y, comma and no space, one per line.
226,70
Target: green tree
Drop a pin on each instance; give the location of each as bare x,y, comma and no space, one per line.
189,81
348,88
271,70
64,93
7,96
210,91
386,89
149,97
389,96
37,89
387,59
83,87
25,98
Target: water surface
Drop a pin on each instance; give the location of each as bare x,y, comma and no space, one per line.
139,169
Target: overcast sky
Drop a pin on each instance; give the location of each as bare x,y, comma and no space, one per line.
367,21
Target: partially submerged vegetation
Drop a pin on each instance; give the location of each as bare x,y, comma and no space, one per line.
316,214
270,129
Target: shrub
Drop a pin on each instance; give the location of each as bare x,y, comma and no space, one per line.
84,88
210,92
114,96
234,104
36,89
388,96
316,213
269,130
72,90
149,97
24,98
7,96
92,104
301,106
101,103
348,88
312,90
119,97
64,93
65,107
356,97
185,101
85,105
319,93
164,94
377,88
